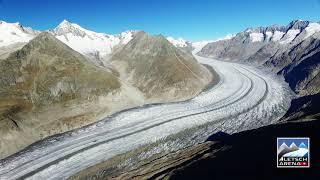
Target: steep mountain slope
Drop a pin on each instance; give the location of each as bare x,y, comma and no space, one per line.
6,50
158,69
304,78
298,62
291,51
302,72
47,88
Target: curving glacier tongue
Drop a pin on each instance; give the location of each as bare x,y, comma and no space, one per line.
244,98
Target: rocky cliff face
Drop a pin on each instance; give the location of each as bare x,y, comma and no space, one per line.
158,69
302,73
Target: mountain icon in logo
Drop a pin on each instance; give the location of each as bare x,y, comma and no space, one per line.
302,145
293,147
293,150
284,149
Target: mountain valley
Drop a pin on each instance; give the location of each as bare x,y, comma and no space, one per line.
79,104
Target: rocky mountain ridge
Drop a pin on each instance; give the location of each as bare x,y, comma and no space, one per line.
94,45
153,65
291,51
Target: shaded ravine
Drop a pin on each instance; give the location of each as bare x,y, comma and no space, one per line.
240,90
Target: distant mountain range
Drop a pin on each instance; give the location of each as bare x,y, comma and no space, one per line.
253,41
92,44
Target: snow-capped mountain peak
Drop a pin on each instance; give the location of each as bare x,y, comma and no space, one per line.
11,33
66,27
89,42
64,22
180,42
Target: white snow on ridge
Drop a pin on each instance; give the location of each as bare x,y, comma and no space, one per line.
289,36
86,41
256,37
277,35
73,35
228,36
11,33
180,42
311,29
269,35
199,45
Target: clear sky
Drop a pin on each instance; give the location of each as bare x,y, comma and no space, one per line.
191,19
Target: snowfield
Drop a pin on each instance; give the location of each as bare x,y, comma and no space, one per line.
244,98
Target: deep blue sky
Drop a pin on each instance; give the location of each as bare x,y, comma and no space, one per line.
193,20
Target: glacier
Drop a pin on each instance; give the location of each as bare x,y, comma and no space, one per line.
244,98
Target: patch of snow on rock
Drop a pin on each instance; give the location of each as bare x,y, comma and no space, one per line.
277,35
256,37
289,36
311,29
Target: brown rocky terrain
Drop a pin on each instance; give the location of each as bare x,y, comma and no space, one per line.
158,69
43,88
48,88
